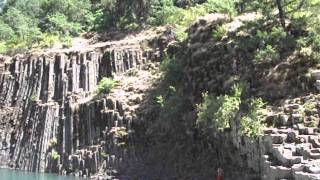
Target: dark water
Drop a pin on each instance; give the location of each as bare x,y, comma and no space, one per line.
7,174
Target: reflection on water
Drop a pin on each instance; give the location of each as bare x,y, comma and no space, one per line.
7,174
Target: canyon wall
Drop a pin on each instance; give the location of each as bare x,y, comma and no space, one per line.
288,148
52,119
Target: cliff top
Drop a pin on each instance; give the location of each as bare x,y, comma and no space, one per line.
80,45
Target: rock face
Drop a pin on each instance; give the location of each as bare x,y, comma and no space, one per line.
293,141
289,150
51,118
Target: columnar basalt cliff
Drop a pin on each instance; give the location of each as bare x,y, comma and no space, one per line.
53,120
51,117
289,147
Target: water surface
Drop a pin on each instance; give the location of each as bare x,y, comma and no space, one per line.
7,174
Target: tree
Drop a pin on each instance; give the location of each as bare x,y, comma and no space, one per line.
24,26
6,32
281,13
31,8
283,9
74,11
58,23
110,7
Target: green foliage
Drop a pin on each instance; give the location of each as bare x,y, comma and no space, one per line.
269,42
3,47
125,23
48,40
160,100
218,33
267,54
275,36
25,27
296,29
32,8
180,33
227,6
101,19
172,71
308,18
216,113
74,10
34,98
110,4
36,23
104,155
67,41
59,23
6,32
309,106
167,13
106,85
251,124
54,155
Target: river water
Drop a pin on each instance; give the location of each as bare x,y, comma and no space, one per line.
7,174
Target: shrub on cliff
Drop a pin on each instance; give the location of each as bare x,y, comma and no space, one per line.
217,113
267,54
172,71
251,124
167,13
105,85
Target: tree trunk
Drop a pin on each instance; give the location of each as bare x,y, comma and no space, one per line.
281,14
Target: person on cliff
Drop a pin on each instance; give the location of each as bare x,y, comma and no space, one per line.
220,174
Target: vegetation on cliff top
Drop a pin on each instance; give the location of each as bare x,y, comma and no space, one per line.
26,24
